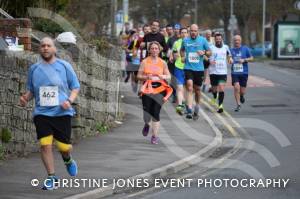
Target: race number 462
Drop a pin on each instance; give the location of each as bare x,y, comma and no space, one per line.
49,96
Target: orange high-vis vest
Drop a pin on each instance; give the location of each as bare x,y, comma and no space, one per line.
155,69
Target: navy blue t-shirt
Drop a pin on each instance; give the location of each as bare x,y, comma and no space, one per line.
240,53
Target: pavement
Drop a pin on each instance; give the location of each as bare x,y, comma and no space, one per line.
122,153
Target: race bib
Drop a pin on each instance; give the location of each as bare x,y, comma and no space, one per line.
238,68
193,57
49,96
220,64
136,61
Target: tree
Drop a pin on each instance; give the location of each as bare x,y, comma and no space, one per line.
18,8
246,11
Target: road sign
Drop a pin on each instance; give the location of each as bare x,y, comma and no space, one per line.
232,23
232,20
119,17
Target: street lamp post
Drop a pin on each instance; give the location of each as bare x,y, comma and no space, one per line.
231,17
125,10
196,12
231,7
263,27
157,9
114,6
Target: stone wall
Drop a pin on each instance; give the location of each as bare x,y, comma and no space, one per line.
97,104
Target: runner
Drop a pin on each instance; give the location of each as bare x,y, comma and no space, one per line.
154,72
179,72
163,31
175,37
53,84
170,61
192,51
154,35
169,31
143,52
128,51
134,63
210,40
218,69
124,35
239,70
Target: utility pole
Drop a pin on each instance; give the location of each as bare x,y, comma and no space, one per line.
231,17
263,28
157,9
125,10
196,12
114,6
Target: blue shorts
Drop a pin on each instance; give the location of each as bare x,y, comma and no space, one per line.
241,79
179,75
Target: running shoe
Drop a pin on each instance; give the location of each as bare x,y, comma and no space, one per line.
213,101
195,116
134,87
220,110
72,167
179,109
189,114
126,79
154,140
186,110
238,108
146,130
50,183
242,99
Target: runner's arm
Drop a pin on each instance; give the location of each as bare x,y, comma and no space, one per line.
68,103
182,52
25,98
229,56
164,45
74,86
166,73
140,75
249,56
207,49
175,52
249,59
73,95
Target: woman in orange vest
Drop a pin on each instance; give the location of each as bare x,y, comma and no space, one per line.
155,90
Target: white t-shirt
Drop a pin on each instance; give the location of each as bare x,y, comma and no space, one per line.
220,56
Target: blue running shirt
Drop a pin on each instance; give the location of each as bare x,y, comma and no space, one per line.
193,61
240,53
51,85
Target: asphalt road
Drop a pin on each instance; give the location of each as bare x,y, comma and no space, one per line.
271,118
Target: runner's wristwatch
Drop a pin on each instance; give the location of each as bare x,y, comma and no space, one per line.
69,101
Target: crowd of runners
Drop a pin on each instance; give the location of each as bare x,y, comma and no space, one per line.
188,63
163,63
